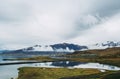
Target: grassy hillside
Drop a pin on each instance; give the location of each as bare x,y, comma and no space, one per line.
64,73
105,56
109,52
52,73
39,58
109,56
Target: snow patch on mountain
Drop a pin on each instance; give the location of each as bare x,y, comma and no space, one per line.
63,47
108,44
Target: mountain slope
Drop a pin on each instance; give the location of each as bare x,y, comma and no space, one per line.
109,56
61,48
108,52
108,44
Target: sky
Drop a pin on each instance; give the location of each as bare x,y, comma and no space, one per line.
30,22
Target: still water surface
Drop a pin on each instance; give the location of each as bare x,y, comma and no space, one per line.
9,71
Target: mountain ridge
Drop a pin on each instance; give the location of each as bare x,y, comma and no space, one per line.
61,48
104,45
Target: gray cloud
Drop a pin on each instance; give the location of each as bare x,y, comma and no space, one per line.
106,7
13,11
25,22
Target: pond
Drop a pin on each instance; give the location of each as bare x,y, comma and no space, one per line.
10,71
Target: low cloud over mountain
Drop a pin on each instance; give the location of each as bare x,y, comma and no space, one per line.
24,22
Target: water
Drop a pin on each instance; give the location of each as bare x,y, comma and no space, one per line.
10,71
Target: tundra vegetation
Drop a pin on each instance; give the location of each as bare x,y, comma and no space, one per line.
107,56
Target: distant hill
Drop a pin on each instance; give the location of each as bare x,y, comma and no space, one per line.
61,48
104,45
109,56
65,48
108,52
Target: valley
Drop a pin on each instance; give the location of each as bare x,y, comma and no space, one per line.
81,64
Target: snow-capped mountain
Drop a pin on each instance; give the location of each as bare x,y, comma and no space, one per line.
108,44
48,50
63,47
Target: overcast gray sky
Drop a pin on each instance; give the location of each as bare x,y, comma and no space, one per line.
30,22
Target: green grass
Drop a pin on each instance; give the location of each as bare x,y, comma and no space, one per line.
53,73
105,75
65,73
109,56
115,75
38,58
110,61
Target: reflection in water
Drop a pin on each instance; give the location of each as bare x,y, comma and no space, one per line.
76,65
9,71
66,63
97,66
